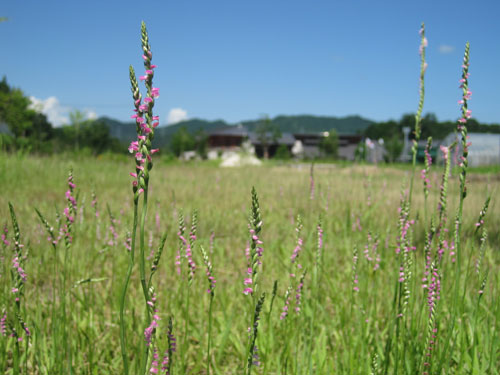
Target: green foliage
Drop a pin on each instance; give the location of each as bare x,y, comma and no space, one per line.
394,147
282,153
182,141
430,125
360,152
14,110
330,144
201,143
268,133
90,134
32,132
384,130
185,140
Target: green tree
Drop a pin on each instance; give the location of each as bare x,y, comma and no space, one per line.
282,153
267,133
201,143
394,147
384,130
14,110
182,141
330,144
76,118
40,133
92,135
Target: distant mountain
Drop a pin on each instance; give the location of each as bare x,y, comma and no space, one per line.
314,124
164,134
126,131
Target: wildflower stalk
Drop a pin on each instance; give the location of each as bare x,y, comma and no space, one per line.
53,241
418,115
209,333
252,274
311,182
142,244
466,114
186,329
211,291
145,125
319,252
464,163
252,359
374,365
123,338
482,278
70,213
188,245
433,296
171,348
18,281
482,214
273,296
156,259
425,175
255,245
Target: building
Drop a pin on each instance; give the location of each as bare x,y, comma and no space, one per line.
302,145
484,148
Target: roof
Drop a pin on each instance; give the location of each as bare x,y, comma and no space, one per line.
238,130
285,139
477,140
241,131
484,148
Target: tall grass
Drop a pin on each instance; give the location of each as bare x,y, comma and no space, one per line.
377,274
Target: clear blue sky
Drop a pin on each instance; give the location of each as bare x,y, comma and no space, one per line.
237,60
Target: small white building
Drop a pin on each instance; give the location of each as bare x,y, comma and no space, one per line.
484,148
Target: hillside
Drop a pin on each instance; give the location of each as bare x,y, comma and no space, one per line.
126,131
314,124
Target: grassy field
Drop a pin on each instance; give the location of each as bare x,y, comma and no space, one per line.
355,299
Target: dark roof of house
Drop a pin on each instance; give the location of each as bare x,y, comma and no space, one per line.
285,139
241,131
238,130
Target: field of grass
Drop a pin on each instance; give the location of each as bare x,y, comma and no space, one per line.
355,298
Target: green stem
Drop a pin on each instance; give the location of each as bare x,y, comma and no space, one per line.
457,270
186,328
142,260
142,269
123,338
16,359
209,332
65,326
414,165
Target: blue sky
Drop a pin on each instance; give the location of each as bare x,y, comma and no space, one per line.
237,60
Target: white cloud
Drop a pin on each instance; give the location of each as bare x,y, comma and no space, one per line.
176,115
90,114
445,49
56,113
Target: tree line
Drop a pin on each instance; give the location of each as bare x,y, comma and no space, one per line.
28,130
